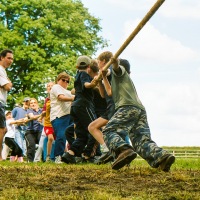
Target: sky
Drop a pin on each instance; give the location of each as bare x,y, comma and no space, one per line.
165,62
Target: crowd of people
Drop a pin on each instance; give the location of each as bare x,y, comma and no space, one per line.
100,120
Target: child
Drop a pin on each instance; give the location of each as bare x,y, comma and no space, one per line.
130,117
83,113
16,151
48,129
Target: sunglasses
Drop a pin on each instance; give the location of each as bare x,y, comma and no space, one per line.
64,80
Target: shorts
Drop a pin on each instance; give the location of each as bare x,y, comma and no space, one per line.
2,116
49,131
109,112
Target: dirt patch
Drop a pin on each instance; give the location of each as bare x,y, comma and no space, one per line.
50,181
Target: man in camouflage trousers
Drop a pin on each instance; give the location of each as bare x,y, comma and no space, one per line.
130,118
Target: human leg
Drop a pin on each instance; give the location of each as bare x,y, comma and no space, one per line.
5,151
95,129
2,127
20,139
146,147
82,117
30,143
2,133
49,144
84,144
38,153
115,132
70,134
59,126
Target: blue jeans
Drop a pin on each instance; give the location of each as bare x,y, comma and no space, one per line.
59,126
20,140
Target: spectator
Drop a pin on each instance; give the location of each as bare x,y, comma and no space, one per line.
19,113
34,128
48,129
61,99
16,151
6,60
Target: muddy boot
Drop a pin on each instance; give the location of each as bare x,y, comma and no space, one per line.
124,158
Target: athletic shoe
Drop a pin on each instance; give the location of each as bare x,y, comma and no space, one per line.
58,160
104,158
68,158
167,163
48,159
124,158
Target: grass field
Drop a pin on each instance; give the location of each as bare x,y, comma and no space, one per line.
88,181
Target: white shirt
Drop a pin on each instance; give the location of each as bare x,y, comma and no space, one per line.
3,80
10,129
59,108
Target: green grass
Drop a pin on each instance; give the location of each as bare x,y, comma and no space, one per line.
37,181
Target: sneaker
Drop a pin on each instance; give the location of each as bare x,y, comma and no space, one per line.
167,163
123,159
48,159
58,160
20,159
104,158
68,158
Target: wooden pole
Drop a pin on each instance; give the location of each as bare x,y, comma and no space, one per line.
135,32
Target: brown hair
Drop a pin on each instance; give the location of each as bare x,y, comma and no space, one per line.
4,53
106,55
62,75
94,66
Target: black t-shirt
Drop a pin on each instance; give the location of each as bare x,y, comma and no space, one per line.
99,103
83,96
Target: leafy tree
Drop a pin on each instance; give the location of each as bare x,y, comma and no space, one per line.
46,36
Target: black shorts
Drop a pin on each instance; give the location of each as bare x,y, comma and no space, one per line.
2,116
109,112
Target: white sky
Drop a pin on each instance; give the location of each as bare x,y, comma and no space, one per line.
165,62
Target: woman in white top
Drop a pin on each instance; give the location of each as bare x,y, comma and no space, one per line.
61,99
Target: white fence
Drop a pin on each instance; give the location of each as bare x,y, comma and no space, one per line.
185,153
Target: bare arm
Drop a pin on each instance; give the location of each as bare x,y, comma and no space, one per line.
101,89
31,116
18,122
7,86
73,91
106,84
62,97
92,84
115,65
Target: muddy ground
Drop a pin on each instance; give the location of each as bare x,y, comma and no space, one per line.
88,181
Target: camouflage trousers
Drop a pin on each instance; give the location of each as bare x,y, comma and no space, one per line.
132,121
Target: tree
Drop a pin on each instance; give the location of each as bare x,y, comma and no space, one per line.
46,37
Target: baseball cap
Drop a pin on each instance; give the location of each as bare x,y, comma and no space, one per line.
83,61
26,99
7,111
